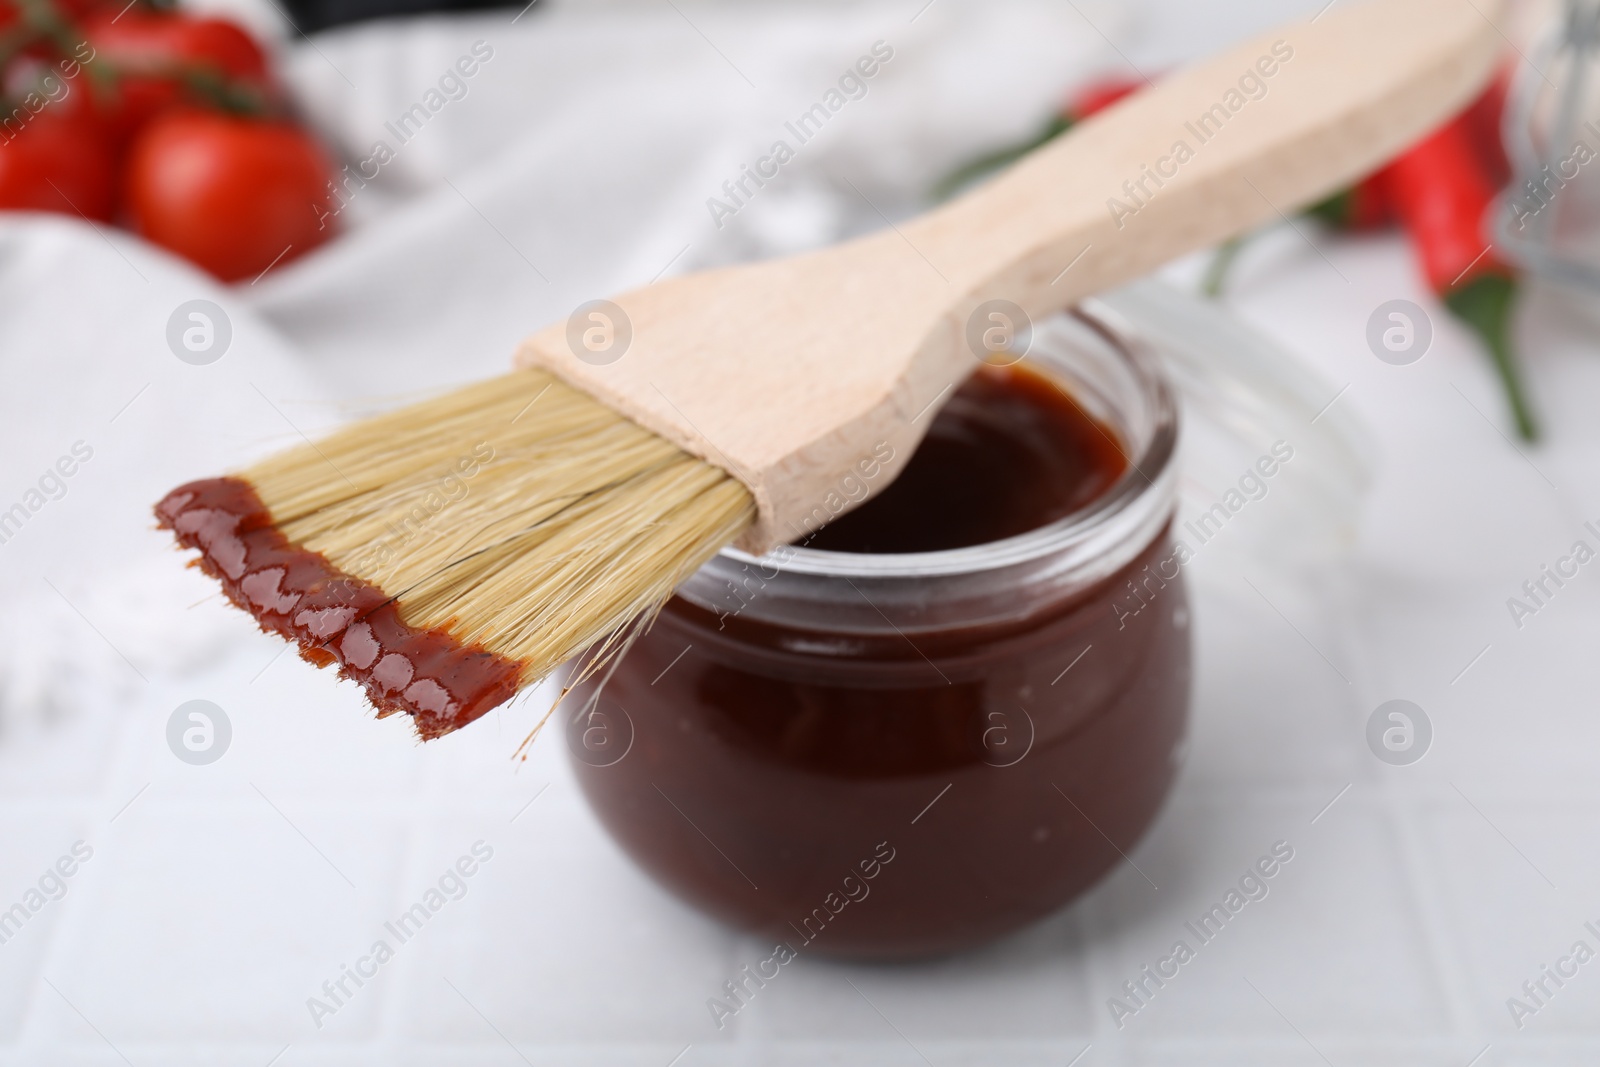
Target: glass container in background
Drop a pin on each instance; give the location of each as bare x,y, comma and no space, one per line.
1548,219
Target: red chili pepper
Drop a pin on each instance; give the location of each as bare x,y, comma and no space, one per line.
1442,191
1483,122
1366,206
1086,101
1361,208
1099,95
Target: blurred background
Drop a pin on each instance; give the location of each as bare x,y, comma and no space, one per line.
227,226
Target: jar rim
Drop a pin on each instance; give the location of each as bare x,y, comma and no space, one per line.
1151,472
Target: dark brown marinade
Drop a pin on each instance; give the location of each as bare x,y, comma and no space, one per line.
1011,452
767,767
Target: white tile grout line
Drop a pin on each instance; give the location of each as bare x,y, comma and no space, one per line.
1397,806
1448,967
407,981
89,811
1094,968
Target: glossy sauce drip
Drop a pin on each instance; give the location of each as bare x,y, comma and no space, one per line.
1009,453
334,617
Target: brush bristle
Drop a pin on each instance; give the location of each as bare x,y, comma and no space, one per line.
518,516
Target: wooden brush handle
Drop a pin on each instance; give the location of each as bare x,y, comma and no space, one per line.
1237,141
798,376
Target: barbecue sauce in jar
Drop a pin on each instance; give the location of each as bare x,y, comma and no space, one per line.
1009,453
928,782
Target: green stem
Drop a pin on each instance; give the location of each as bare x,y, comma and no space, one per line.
1335,210
14,40
237,98
1485,305
1216,275
46,20
977,168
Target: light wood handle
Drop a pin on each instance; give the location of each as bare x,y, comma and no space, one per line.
791,374
1237,141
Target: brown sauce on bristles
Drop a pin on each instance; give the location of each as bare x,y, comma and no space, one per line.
334,617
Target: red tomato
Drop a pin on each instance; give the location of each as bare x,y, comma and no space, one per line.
48,30
142,39
151,50
56,160
30,82
234,195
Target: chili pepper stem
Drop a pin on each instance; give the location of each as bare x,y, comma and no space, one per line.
1216,275
1485,304
977,168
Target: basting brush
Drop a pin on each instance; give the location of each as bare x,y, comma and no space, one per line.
450,553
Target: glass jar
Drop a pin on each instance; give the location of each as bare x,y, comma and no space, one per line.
898,755
1549,217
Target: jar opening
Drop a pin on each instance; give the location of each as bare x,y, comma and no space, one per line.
1097,358
1098,361
1010,452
